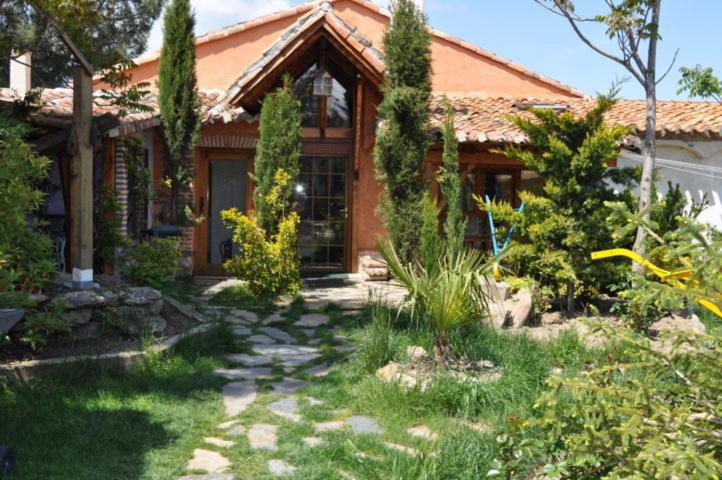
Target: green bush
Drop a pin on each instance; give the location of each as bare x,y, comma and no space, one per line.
446,297
107,228
26,254
655,415
153,263
270,267
39,325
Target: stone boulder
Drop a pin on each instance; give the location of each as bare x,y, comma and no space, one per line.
81,299
9,317
141,296
78,316
512,313
663,330
416,353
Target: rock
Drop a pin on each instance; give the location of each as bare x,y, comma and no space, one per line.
315,341
416,353
149,325
156,307
228,424
251,317
551,318
237,396
9,317
218,442
309,332
498,291
401,448
38,298
422,431
208,461
286,408
210,476
362,425
278,334
523,308
141,296
313,402
79,316
274,318
319,370
240,331
663,332
288,355
312,442
249,360
89,330
243,373
312,320
279,468
329,426
288,386
80,299
261,340
262,436
389,373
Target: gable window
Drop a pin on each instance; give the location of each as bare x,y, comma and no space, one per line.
337,105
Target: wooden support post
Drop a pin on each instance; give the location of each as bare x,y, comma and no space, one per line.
81,179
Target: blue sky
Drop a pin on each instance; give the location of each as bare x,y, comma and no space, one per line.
525,33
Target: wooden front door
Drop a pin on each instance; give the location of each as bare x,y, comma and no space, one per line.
222,183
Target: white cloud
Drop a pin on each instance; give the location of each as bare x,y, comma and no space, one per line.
214,14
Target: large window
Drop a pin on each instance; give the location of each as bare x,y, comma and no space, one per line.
338,105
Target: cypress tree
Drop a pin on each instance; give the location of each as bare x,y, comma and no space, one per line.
278,153
450,183
402,142
178,98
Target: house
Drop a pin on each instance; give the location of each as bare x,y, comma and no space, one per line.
338,194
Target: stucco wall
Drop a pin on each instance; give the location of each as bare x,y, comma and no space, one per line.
696,166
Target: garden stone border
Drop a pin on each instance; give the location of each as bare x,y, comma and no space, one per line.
30,369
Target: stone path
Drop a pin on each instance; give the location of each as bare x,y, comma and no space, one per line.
279,357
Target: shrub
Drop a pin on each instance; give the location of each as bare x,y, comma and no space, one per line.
39,325
108,222
446,297
270,267
557,232
431,245
449,180
26,254
153,263
656,415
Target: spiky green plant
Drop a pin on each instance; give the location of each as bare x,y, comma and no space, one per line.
453,293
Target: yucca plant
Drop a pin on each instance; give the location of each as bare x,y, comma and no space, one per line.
452,293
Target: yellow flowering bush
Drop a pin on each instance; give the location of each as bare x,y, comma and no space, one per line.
269,266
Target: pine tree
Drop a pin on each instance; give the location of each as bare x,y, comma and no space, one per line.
178,98
450,183
402,141
558,230
278,152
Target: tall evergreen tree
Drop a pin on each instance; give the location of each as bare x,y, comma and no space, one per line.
450,183
402,142
178,98
278,153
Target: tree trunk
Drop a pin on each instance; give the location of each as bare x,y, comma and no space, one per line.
571,303
650,139
442,353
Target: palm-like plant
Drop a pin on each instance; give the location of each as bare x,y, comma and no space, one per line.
447,295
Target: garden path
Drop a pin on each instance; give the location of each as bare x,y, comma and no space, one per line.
269,414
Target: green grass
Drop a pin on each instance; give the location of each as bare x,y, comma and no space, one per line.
91,423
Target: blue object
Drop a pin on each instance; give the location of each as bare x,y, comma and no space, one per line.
492,230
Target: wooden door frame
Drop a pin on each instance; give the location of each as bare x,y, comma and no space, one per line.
203,156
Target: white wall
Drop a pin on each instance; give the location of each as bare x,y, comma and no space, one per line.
695,166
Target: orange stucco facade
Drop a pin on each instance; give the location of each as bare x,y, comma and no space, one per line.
457,68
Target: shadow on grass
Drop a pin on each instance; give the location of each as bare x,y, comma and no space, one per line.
94,423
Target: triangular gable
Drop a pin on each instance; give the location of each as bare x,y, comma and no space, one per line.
297,39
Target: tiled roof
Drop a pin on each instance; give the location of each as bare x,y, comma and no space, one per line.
486,119
478,119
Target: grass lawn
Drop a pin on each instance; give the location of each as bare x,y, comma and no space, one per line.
145,423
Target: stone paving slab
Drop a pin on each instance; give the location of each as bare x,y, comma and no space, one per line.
286,408
312,320
228,424
422,431
313,442
241,373
237,396
288,355
288,386
241,331
279,468
278,334
208,461
319,370
263,436
251,317
329,426
210,476
218,442
274,318
261,340
362,425
249,360
236,431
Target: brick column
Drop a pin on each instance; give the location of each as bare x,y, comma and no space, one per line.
121,185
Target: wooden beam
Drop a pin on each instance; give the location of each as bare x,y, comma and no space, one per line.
81,178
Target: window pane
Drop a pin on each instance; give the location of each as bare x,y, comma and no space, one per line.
338,107
303,88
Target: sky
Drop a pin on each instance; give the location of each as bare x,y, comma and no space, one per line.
527,34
